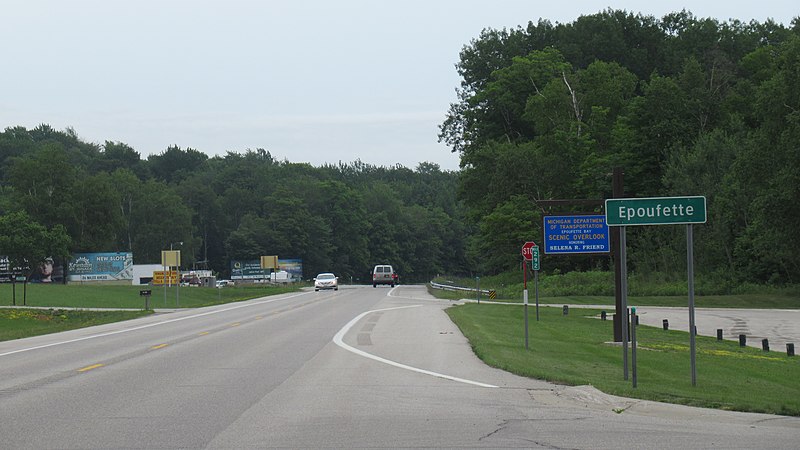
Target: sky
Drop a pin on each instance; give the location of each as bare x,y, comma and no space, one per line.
317,82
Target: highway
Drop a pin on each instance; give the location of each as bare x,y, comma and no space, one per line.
361,367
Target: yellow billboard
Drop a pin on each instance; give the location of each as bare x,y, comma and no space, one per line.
159,278
171,258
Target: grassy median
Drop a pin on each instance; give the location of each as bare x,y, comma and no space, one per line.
61,307
128,296
576,350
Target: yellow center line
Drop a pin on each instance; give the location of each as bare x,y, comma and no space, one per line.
235,324
87,368
204,333
259,317
156,347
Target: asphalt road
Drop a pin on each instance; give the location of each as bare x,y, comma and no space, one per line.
357,368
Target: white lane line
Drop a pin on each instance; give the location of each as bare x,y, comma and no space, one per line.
338,340
127,330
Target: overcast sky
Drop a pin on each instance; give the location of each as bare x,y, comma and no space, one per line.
310,81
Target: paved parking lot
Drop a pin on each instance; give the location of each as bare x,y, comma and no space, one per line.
779,326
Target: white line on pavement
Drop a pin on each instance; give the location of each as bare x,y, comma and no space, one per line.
340,335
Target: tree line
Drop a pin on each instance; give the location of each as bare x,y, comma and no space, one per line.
684,105
85,197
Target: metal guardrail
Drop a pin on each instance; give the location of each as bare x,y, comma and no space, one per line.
447,287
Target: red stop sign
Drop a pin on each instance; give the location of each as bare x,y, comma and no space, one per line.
527,250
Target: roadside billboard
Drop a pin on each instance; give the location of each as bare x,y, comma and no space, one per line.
251,269
48,271
101,266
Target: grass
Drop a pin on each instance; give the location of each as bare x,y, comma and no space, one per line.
61,302
127,296
575,350
21,323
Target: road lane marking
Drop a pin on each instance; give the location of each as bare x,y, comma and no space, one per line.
203,333
88,368
338,340
236,324
150,325
156,347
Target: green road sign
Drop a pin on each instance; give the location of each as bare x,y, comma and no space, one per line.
535,258
655,211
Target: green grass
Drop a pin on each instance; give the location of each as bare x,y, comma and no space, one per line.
575,350
127,296
18,323
21,323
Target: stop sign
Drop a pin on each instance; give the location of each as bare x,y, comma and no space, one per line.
527,250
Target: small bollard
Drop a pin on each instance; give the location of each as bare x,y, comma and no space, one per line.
566,310
602,315
765,345
665,324
789,349
719,334
742,340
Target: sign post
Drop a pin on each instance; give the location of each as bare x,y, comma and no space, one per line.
529,249
146,294
625,212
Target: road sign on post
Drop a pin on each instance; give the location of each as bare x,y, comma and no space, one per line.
655,211
527,250
624,212
530,252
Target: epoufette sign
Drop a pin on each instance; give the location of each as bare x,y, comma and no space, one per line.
655,211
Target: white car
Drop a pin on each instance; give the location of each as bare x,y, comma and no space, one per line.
224,283
326,281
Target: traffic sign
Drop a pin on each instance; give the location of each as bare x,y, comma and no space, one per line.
530,252
527,250
655,211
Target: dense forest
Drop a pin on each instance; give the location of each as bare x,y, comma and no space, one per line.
101,198
683,105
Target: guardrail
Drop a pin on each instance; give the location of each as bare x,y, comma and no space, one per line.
447,287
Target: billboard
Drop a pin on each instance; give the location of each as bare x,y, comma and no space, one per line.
48,271
251,269
101,266
5,270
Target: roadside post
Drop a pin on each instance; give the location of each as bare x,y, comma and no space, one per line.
624,212
528,250
146,294
634,322
169,259
535,268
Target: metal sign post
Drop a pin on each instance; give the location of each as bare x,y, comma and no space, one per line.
530,252
525,299
624,318
634,320
690,270
535,268
623,212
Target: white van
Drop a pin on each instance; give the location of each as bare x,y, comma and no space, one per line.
384,274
